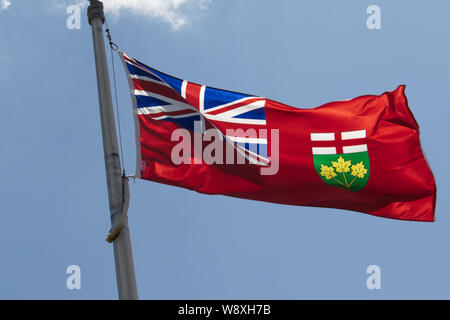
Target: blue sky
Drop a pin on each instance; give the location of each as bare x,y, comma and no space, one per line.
192,246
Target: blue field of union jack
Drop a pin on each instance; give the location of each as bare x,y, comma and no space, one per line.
162,97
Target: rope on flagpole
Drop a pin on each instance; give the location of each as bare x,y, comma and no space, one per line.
115,47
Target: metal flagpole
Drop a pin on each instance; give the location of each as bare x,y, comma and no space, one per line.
118,192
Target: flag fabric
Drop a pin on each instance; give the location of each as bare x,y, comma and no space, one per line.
362,154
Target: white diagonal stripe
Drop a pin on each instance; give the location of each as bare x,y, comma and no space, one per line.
177,116
359,134
324,150
251,159
231,103
143,69
159,109
354,149
144,78
329,136
247,140
163,98
243,109
235,120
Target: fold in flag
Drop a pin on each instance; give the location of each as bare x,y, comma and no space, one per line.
362,154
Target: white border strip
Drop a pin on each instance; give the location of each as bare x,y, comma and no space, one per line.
137,129
201,104
201,107
183,89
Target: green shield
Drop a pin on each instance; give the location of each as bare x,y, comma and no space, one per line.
349,171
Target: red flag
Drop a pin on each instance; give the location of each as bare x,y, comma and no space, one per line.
362,154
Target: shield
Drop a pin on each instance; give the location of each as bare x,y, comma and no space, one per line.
342,159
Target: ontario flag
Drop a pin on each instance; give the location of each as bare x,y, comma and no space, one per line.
362,154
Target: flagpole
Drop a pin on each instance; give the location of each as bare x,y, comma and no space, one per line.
117,185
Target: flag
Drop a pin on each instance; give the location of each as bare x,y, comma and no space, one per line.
362,154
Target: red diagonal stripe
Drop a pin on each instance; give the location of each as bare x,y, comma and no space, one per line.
157,88
171,113
234,106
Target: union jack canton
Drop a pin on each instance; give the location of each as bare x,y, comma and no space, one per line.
162,97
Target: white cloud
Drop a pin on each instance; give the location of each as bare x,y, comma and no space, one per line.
167,10
175,12
204,4
170,11
4,4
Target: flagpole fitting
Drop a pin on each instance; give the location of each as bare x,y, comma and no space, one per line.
132,176
112,45
95,11
118,218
